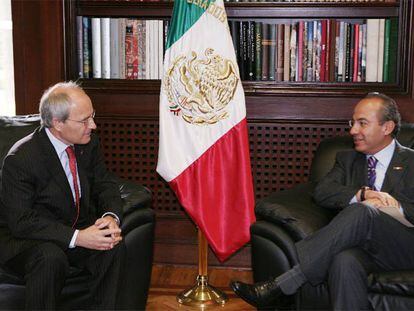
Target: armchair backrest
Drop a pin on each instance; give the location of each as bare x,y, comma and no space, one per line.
324,157
14,128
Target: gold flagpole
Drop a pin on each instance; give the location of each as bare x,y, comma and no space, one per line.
202,294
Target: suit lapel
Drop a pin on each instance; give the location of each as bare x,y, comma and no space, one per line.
359,170
52,162
396,169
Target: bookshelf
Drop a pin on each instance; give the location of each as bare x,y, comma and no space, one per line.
287,120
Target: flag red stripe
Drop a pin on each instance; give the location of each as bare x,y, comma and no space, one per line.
216,191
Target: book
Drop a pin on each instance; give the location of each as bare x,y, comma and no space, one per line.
258,53
380,63
87,47
121,45
96,47
131,49
79,45
279,54
114,48
141,49
272,51
287,53
356,53
300,49
392,75
251,50
323,56
105,48
160,48
265,51
387,33
372,50
293,52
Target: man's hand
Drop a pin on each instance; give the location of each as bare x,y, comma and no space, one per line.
385,199
103,235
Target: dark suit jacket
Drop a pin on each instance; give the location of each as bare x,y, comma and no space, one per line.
36,200
349,173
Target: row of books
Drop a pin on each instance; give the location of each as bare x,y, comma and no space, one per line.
120,48
314,1
317,51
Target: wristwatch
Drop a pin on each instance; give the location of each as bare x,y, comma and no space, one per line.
363,189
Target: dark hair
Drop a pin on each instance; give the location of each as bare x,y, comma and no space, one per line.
389,111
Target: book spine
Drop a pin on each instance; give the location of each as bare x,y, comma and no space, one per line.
387,32
114,48
287,53
309,73
251,50
372,50
279,57
96,47
301,31
79,44
87,47
293,52
348,52
360,40
393,50
324,36
258,54
122,48
160,47
148,62
356,53
265,51
105,48
272,51
380,63
141,49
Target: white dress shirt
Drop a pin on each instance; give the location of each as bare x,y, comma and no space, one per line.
60,148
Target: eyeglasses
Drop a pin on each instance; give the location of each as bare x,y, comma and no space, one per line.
86,121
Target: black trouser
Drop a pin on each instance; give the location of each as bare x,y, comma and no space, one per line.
46,266
357,241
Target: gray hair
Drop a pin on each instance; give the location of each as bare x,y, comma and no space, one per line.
55,103
389,111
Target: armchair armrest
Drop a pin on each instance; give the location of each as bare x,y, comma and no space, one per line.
137,202
294,210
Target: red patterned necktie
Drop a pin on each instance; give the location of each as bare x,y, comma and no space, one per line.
72,165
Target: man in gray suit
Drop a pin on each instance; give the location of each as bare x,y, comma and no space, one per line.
372,187
60,206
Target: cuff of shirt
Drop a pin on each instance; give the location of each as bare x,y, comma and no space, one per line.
113,215
353,200
73,240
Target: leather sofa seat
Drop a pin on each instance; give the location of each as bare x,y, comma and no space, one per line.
137,227
286,217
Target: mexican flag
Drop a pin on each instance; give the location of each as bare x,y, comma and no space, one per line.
204,148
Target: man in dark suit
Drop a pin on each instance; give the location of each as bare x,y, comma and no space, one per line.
60,205
373,188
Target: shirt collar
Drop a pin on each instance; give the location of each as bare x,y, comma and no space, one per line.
59,145
385,155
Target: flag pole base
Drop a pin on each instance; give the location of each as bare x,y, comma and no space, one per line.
202,295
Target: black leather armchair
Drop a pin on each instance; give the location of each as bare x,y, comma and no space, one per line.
286,217
137,227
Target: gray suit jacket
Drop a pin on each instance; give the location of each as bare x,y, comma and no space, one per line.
349,173
37,204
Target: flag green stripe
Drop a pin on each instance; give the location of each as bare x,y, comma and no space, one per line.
184,16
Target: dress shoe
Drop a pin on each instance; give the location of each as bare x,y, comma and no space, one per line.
260,294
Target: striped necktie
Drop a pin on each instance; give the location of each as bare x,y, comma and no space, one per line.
372,163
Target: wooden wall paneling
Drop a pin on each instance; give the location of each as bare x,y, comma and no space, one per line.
38,50
281,154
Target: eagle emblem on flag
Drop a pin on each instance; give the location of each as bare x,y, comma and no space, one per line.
201,88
